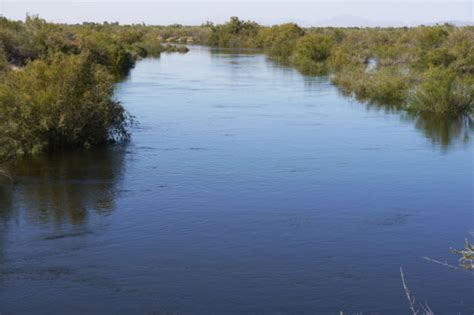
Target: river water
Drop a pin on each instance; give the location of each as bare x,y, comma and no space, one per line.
246,188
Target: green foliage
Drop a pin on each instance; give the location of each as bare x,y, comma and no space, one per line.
64,102
56,82
3,61
311,53
442,92
431,37
35,37
235,33
387,86
105,51
279,41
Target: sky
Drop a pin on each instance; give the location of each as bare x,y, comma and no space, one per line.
267,12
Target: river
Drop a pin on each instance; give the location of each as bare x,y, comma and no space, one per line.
246,188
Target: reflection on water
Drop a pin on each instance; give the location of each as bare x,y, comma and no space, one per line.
442,129
56,193
439,129
63,188
6,203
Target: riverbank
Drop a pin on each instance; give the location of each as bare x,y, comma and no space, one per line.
62,97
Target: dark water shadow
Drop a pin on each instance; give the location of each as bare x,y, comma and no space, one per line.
443,130
60,190
63,188
232,52
6,204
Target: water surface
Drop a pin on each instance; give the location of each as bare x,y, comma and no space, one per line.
246,188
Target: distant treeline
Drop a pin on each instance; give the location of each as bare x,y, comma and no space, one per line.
56,80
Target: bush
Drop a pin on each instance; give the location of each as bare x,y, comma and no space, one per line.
280,41
3,61
384,86
311,53
64,103
388,85
104,51
234,33
442,92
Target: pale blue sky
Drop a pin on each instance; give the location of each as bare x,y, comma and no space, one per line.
306,12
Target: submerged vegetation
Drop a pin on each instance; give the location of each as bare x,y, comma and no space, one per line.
56,80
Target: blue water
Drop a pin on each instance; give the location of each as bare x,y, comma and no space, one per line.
246,188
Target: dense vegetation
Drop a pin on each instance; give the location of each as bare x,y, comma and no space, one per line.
56,80
423,69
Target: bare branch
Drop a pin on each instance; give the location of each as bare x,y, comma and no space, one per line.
411,299
426,309
448,265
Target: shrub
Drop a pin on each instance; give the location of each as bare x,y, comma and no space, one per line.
64,103
3,61
384,86
440,91
311,53
279,41
234,33
104,51
387,85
